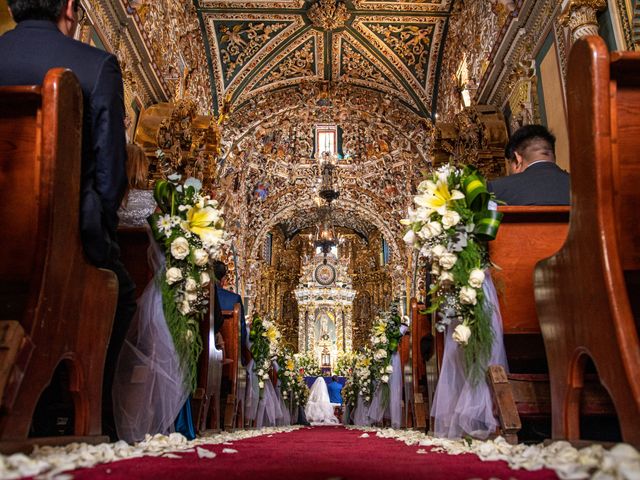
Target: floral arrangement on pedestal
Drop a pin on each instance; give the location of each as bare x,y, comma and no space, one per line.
292,385
307,365
360,380
190,228
265,340
450,228
385,338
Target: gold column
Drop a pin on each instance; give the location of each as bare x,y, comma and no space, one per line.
580,16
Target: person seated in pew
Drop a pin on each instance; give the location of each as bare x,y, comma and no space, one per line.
534,178
42,40
227,300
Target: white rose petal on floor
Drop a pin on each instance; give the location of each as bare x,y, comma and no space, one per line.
53,461
594,461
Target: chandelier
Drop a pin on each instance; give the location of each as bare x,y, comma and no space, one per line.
327,189
326,237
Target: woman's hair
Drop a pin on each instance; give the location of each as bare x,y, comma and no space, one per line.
137,166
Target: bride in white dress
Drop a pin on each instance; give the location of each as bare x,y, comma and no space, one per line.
319,410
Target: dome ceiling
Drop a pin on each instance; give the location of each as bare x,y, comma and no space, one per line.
258,46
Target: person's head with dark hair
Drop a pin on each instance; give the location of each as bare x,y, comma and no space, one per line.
334,378
529,144
64,13
219,270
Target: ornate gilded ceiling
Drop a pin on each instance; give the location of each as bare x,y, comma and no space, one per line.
259,46
270,173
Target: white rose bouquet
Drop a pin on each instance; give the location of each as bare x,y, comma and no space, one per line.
294,389
456,199
308,365
359,379
265,338
190,228
385,338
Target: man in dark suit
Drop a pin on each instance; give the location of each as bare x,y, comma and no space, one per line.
42,40
534,178
227,300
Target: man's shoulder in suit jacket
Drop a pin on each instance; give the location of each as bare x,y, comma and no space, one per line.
228,299
28,52
542,183
34,47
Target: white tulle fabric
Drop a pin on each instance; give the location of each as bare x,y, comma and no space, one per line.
393,411
319,410
460,408
360,414
148,389
377,411
268,411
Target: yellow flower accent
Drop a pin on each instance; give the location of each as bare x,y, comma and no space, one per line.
202,222
366,362
437,196
380,328
271,334
290,365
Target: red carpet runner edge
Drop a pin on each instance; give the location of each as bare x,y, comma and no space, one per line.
323,453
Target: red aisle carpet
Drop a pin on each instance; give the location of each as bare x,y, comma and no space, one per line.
311,453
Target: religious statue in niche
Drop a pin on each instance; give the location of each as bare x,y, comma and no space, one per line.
325,329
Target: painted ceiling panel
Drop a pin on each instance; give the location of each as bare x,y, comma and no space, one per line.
239,42
301,60
353,63
262,45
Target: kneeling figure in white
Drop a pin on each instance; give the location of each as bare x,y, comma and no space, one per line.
319,410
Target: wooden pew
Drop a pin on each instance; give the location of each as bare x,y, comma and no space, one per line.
233,371
56,309
404,350
213,369
588,294
526,235
420,395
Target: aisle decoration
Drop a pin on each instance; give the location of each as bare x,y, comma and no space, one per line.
52,462
292,385
307,365
360,380
450,227
190,228
385,338
265,340
621,461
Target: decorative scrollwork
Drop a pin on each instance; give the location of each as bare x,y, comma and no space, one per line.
299,64
410,42
355,65
241,41
328,14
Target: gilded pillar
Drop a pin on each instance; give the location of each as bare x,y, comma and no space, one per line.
580,16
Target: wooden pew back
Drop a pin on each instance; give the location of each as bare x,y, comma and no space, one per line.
420,328
526,236
64,305
625,145
585,293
